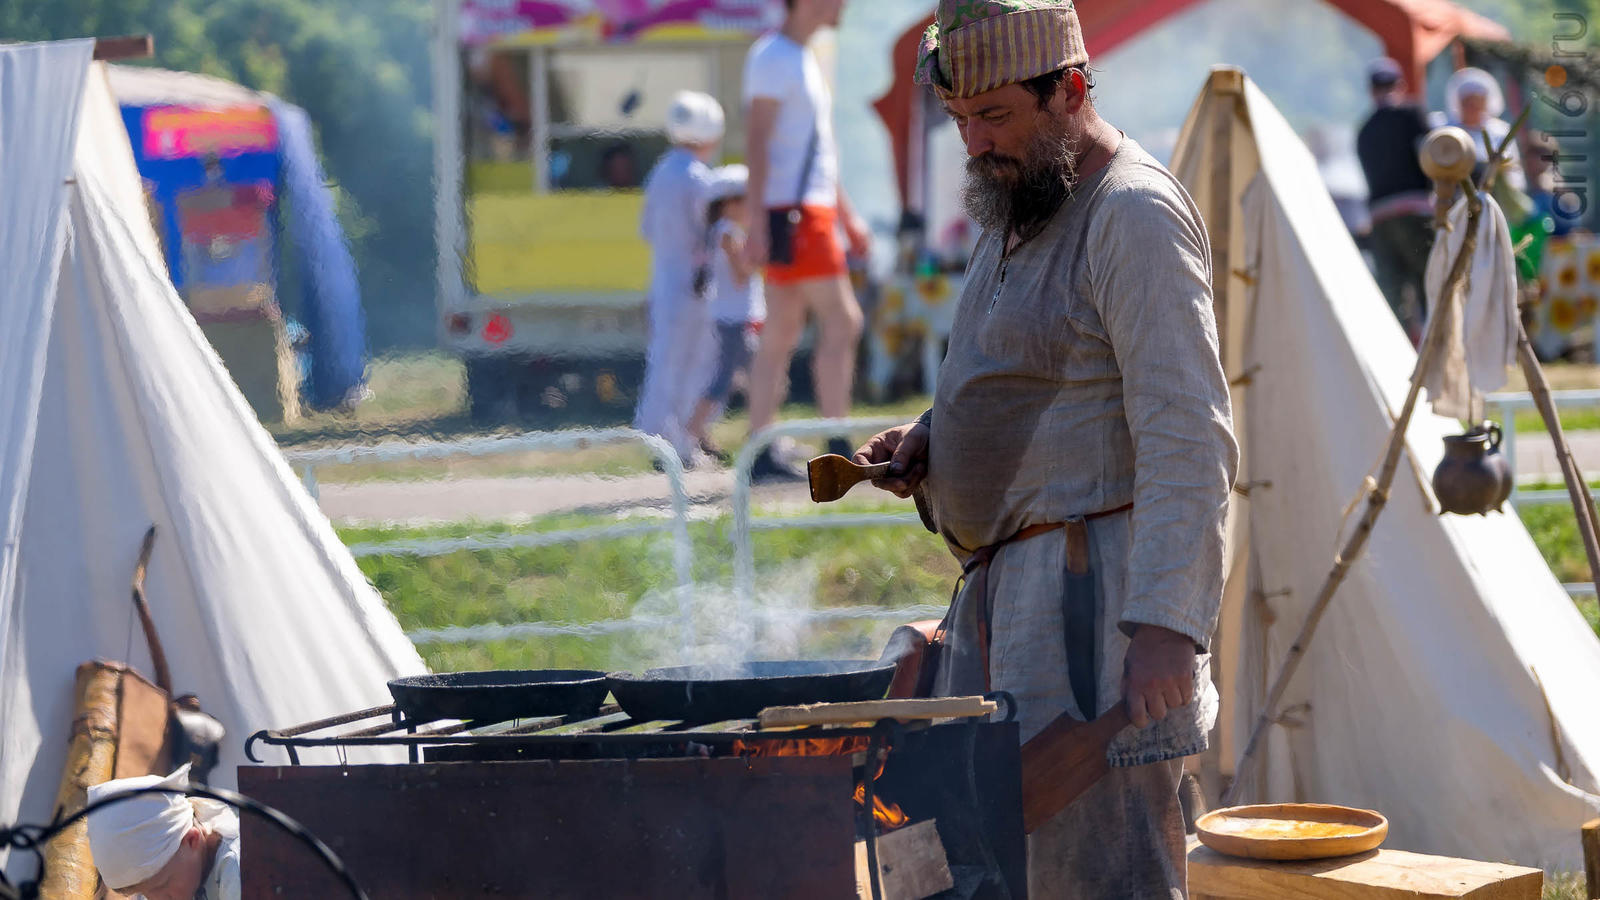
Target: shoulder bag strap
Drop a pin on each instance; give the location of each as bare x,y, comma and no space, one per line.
805,170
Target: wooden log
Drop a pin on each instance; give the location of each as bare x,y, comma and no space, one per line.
874,710
1378,875
911,864
1591,859
119,729
69,872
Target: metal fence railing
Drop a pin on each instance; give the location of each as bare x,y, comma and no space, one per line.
744,523
744,567
1506,406
308,461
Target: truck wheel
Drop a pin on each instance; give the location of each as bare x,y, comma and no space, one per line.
491,391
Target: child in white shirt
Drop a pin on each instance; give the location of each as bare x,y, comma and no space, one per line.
738,305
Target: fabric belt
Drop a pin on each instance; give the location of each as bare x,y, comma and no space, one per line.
1079,612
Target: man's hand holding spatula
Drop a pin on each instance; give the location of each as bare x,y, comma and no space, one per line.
905,449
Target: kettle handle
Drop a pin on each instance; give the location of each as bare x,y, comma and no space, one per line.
1495,435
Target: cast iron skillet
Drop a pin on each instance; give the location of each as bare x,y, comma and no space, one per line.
499,696
743,690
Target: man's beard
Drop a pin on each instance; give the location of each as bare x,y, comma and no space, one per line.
1004,194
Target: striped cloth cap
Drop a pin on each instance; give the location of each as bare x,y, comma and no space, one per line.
975,46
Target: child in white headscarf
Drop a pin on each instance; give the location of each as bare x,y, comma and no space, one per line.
163,846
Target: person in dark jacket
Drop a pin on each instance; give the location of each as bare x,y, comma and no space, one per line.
1399,197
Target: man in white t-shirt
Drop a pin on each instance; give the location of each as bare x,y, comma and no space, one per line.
794,177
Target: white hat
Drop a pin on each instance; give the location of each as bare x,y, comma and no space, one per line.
1467,82
133,839
694,118
728,181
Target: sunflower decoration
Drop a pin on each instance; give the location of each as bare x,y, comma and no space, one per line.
1594,266
1567,278
1563,315
894,300
1588,305
933,289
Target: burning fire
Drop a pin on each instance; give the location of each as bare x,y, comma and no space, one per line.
889,816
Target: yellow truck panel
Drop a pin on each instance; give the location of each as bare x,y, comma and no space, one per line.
561,242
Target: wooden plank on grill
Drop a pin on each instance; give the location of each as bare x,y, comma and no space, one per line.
873,710
1378,875
911,863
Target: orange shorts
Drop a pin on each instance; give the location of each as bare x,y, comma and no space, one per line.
817,251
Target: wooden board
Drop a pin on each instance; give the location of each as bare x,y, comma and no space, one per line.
1379,875
874,710
911,861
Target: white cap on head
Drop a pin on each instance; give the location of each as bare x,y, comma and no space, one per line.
133,839
1473,82
728,181
694,118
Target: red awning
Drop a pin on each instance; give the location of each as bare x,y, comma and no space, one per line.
1412,31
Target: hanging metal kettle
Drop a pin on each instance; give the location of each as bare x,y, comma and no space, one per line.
1474,477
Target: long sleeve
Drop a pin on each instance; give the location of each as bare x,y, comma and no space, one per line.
1150,273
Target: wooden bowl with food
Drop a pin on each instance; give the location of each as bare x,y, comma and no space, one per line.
1285,831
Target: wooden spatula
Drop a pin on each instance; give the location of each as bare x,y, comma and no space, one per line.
832,476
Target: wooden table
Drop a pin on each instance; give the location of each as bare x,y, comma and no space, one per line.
1379,875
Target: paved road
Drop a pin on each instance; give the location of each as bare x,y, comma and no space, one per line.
499,499
512,499
1536,455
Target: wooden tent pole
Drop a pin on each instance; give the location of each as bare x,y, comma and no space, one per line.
1377,497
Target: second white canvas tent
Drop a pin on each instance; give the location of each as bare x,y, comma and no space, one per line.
1451,684
116,415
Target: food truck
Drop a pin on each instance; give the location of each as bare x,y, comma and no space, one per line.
550,114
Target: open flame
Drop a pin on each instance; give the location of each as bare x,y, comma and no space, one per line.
889,816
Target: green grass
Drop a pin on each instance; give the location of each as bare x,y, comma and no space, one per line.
1562,377
1530,422
1565,886
889,567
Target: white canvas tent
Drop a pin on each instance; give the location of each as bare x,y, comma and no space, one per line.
1452,684
115,414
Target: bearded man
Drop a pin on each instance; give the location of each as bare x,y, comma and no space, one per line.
1079,454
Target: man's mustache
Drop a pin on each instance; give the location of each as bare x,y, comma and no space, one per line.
993,163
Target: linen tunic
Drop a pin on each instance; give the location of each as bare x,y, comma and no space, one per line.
1088,379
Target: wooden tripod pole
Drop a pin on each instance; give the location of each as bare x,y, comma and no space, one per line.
1377,497
1577,488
